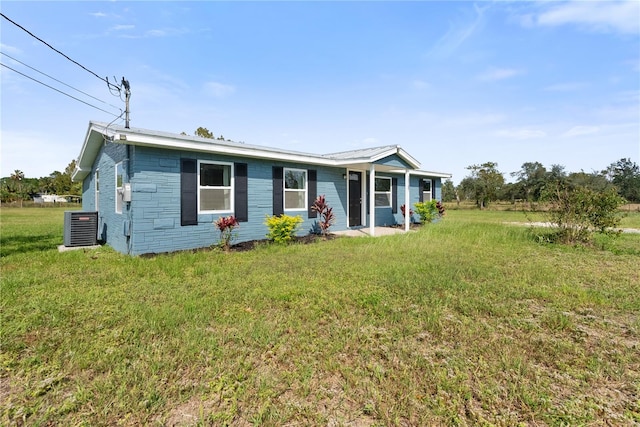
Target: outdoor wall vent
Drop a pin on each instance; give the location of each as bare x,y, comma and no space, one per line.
80,228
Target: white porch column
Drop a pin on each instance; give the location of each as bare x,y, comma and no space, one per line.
372,200
407,201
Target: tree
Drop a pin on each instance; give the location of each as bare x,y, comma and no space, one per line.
484,183
625,175
594,181
577,211
556,174
531,180
204,133
448,191
18,188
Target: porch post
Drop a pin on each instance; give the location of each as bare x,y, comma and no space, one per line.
372,200
407,201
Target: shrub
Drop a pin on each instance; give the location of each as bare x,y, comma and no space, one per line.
326,214
578,212
282,228
226,225
404,215
428,211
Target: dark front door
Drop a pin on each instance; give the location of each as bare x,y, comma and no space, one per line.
355,199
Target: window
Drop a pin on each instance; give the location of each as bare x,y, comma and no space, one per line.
97,183
215,189
383,192
295,189
426,190
119,181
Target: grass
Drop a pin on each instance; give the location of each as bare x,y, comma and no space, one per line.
466,322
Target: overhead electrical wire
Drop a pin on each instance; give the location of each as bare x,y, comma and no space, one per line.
106,80
58,90
61,82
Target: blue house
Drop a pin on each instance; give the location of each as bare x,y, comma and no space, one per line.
161,192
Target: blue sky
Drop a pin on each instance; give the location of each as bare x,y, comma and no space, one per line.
453,83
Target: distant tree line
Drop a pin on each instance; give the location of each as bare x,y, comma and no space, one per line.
486,184
17,187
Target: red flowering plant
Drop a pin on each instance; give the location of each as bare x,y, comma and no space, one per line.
226,225
326,214
404,215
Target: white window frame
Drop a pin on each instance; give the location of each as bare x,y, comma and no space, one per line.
230,187
389,193
285,190
427,193
119,192
97,189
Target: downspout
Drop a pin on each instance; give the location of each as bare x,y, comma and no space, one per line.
372,200
407,201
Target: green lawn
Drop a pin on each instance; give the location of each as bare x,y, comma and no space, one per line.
468,321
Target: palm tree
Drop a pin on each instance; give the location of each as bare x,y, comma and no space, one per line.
17,176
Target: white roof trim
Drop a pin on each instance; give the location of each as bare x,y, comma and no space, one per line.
145,138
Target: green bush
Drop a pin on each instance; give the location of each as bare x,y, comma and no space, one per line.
428,211
282,228
578,212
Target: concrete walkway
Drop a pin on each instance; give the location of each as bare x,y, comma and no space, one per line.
364,232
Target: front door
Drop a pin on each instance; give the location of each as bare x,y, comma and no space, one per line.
355,199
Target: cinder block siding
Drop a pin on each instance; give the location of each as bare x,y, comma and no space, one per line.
151,222
155,215
110,223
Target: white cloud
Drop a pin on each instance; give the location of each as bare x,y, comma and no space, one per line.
581,130
156,33
458,34
610,16
566,87
495,74
218,90
420,84
370,141
10,49
122,27
523,133
472,120
98,14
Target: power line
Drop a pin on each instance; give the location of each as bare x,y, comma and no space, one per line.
58,90
61,82
56,50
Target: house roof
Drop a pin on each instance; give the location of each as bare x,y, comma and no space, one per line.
97,132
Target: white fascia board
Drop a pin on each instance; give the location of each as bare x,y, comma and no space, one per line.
90,148
400,152
432,174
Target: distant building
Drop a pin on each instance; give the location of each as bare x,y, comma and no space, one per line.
49,198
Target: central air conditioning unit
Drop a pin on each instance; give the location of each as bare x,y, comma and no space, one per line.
80,228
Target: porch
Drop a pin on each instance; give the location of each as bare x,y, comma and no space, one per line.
366,232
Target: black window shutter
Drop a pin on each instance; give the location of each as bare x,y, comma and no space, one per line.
421,190
241,193
394,195
188,192
312,188
278,201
